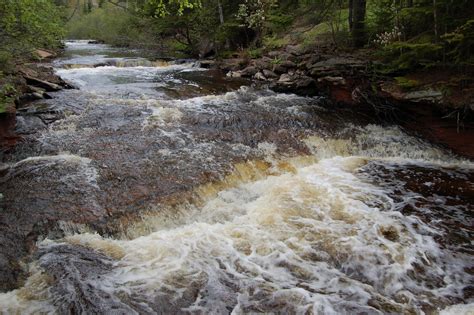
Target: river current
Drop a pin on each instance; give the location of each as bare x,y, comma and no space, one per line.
199,194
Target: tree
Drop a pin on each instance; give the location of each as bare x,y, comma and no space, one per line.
29,24
357,11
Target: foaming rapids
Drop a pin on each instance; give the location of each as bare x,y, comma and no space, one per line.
312,235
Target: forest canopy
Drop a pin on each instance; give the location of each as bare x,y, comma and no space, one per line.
412,33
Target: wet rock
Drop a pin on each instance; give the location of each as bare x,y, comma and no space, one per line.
102,64
288,64
27,71
333,80
249,71
418,96
305,82
263,63
274,54
29,97
79,281
285,78
270,74
234,74
259,76
296,50
48,86
299,84
281,55
234,64
38,193
207,64
311,59
279,69
206,48
44,54
333,66
423,96
29,124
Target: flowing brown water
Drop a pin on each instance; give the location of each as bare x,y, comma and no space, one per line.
211,198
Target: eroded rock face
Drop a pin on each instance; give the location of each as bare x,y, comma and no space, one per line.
79,281
32,206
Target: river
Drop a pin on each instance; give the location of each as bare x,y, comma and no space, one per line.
166,188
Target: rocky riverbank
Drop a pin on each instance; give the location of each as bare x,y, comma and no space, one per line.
352,79
30,81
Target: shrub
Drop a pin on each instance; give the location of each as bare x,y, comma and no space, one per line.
460,43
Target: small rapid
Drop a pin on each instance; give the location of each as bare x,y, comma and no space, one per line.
198,194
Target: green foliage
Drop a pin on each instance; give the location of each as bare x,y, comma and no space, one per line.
276,61
407,34
26,25
29,24
110,24
6,62
277,21
274,42
161,8
405,56
461,43
255,53
406,83
381,15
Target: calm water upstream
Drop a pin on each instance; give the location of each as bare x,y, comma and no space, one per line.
183,192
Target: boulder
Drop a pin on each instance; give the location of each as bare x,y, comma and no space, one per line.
48,86
29,124
233,64
281,55
288,64
44,54
101,64
26,71
249,71
305,82
234,74
29,97
338,63
259,76
269,74
279,69
430,96
285,78
263,63
296,50
274,54
333,80
207,64
206,48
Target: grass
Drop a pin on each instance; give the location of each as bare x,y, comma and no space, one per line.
274,42
406,84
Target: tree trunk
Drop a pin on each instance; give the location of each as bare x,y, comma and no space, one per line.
351,22
358,22
221,12
435,20
221,20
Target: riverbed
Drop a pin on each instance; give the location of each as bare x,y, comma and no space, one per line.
162,187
